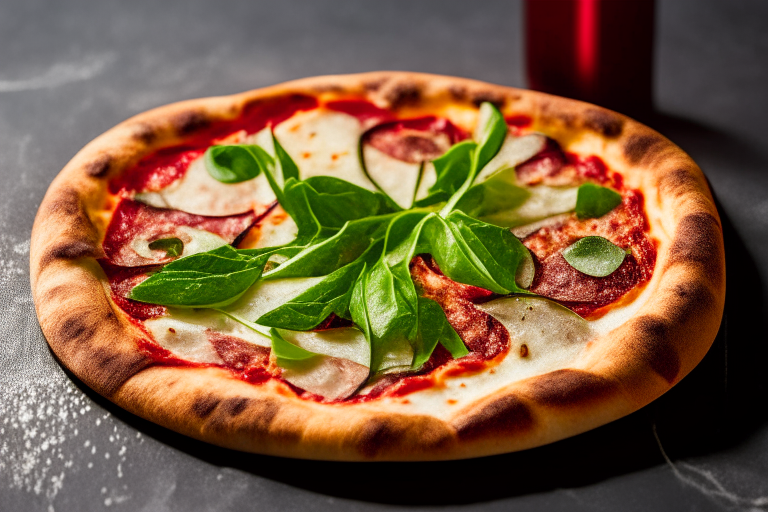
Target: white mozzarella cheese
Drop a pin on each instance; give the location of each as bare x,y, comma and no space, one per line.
198,193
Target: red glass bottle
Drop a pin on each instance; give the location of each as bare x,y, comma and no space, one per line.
599,51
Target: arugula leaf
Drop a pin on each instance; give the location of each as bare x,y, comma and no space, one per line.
434,327
595,256
310,308
594,201
171,246
206,279
287,352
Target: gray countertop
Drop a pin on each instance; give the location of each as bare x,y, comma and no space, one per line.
71,70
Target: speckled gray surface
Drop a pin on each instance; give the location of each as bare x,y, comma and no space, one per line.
70,70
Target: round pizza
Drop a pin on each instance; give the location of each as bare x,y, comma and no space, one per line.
384,266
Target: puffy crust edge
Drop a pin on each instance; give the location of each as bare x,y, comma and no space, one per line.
619,373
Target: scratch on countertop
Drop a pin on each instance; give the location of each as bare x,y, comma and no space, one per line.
62,73
707,483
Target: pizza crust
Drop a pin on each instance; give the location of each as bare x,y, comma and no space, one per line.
656,345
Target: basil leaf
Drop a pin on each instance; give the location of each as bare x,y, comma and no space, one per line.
595,256
497,194
494,250
206,279
490,134
171,246
452,169
335,201
286,168
434,327
331,295
595,201
285,351
232,164
320,259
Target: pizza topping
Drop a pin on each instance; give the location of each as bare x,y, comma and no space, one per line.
415,140
199,193
540,329
594,256
594,201
135,227
356,209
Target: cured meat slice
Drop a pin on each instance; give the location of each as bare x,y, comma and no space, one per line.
134,226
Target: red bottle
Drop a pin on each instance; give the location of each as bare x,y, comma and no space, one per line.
599,51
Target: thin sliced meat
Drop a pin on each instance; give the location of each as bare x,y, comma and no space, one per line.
135,225
415,140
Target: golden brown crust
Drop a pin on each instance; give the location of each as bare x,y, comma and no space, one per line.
619,372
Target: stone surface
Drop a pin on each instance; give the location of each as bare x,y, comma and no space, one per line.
70,70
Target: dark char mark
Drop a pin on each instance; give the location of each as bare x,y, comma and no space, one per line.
652,341
603,122
99,167
569,388
642,148
506,415
697,241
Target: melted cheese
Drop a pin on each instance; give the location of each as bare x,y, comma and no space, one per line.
198,193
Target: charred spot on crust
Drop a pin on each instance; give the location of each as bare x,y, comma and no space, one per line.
603,122
402,94
697,240
116,368
99,167
186,123
71,250
386,434
479,97
677,181
75,328
67,203
458,92
504,416
234,406
693,300
642,148
145,133
567,388
651,339
204,406
374,85
376,434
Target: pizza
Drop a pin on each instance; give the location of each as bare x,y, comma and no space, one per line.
383,266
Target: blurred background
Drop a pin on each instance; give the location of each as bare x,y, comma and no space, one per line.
696,70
